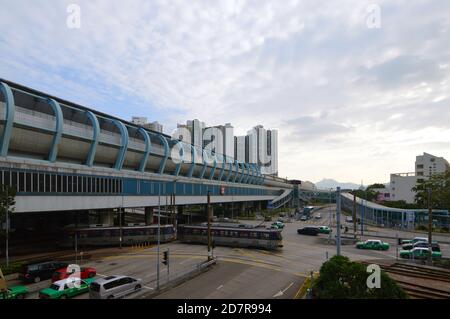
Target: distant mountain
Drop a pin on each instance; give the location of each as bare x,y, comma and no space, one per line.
328,183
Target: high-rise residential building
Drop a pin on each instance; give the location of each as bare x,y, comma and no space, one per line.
142,121
263,149
259,146
251,146
154,126
228,140
213,139
426,165
196,128
139,120
239,148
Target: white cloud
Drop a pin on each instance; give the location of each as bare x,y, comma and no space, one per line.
358,91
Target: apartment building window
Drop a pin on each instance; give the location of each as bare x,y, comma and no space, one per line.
420,166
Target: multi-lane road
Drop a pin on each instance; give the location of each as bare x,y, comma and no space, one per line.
239,273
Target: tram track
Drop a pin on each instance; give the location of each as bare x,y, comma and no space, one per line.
424,282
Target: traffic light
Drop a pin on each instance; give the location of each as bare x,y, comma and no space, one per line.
166,258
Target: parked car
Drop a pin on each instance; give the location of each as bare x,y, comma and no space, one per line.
422,244
85,272
325,229
318,216
349,219
375,244
309,230
40,271
15,292
416,240
303,218
113,287
279,224
66,288
419,253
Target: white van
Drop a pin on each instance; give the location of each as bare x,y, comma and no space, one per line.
113,287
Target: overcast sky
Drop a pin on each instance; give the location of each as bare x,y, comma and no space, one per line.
351,101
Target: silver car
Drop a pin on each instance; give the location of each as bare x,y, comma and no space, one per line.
113,287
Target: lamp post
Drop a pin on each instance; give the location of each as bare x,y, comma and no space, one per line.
329,215
430,226
159,236
208,210
338,220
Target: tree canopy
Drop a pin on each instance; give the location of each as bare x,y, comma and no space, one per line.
440,191
7,202
341,278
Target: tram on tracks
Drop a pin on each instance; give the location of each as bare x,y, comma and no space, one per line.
233,236
110,236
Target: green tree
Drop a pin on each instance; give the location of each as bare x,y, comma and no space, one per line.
342,279
367,194
376,185
440,191
7,202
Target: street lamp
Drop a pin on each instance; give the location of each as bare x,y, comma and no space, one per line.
208,210
159,235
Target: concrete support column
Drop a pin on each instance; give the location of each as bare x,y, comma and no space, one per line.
148,215
107,218
242,207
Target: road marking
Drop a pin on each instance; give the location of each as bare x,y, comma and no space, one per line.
182,262
220,287
150,288
281,292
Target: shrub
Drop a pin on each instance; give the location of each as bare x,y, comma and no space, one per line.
342,279
422,227
13,268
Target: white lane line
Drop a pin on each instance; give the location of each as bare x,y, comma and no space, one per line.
147,287
150,275
182,262
281,292
220,287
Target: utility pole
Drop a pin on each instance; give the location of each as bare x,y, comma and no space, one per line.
338,220
208,210
354,216
168,266
76,247
430,226
7,228
159,236
330,216
120,227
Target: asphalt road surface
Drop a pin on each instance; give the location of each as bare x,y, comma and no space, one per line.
239,273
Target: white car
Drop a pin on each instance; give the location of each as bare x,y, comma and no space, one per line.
349,219
318,216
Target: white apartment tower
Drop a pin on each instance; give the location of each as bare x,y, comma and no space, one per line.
427,165
401,184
